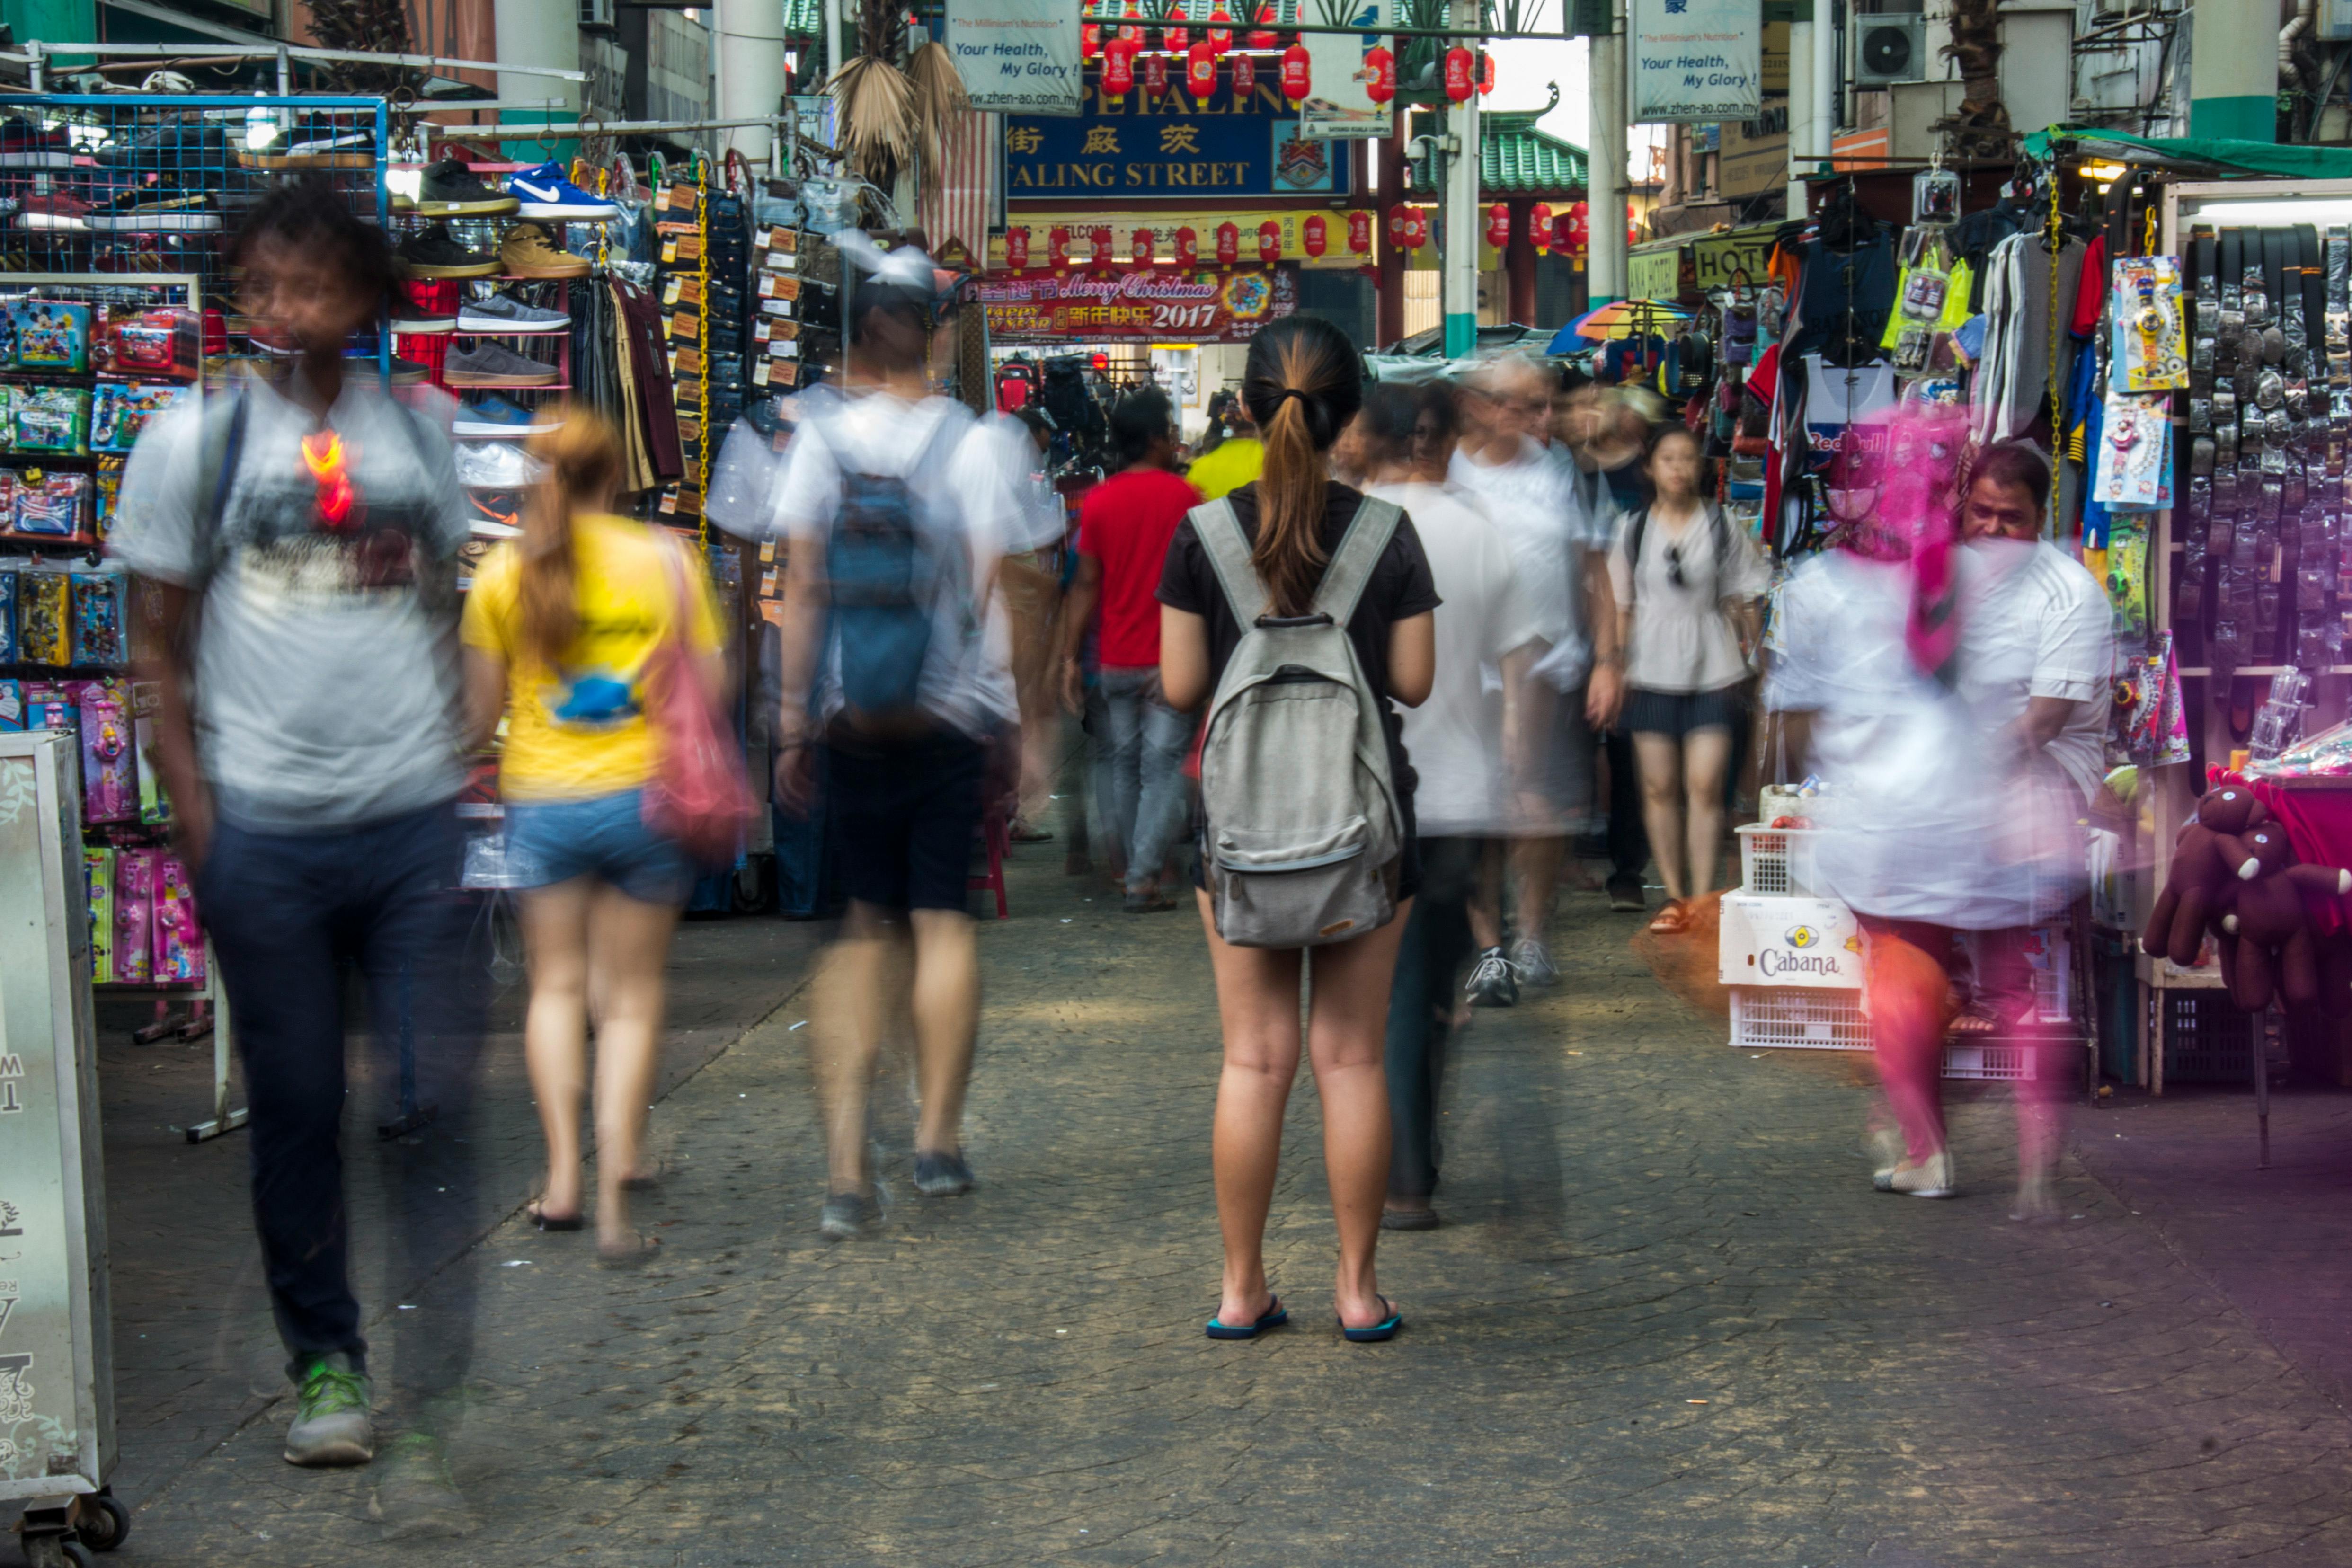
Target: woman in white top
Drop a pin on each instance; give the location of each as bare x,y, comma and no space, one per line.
1686,581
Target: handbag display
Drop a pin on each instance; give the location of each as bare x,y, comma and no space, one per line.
698,797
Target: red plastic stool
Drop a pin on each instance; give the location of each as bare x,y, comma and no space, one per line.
996,836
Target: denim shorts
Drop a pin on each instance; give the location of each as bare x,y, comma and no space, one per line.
604,837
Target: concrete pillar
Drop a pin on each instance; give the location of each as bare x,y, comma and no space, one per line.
1460,254
750,72
1389,317
1800,113
1605,141
2233,74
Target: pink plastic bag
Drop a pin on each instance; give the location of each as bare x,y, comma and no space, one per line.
698,798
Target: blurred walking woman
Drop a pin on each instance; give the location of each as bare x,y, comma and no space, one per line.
1303,384
560,631
1687,580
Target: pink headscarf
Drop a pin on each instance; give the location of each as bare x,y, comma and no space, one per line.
1895,492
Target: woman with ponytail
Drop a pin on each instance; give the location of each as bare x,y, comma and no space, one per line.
1303,384
561,629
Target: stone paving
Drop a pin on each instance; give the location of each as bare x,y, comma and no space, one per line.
1667,1323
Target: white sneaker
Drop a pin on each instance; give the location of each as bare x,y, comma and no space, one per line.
1934,1178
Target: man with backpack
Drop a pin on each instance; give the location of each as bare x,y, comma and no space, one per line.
897,505
295,541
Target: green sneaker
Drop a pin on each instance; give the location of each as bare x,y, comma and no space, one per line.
330,1418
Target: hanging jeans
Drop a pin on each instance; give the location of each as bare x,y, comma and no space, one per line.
1139,786
1421,1010
285,911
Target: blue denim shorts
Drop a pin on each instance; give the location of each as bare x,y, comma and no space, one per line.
550,842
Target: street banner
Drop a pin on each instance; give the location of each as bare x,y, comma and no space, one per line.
1697,60
1077,307
1337,105
1019,56
1177,145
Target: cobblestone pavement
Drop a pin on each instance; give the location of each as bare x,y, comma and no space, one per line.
1667,1323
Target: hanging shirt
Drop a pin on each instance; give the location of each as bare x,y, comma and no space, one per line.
1836,282
1836,400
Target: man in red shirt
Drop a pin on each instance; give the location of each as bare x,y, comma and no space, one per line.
1124,527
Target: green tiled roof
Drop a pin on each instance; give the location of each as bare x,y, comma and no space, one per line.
1514,159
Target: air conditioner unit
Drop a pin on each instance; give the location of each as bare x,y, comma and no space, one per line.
596,15
1889,49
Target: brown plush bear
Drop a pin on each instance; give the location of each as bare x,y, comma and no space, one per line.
2269,944
2205,862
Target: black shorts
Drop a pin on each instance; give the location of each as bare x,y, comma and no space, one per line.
904,818
1677,714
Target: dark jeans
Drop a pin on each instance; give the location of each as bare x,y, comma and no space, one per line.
1629,843
1421,1010
285,911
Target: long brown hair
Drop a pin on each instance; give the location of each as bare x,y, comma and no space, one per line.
1303,383
583,455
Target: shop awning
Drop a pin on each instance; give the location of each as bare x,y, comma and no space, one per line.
1514,159
2193,155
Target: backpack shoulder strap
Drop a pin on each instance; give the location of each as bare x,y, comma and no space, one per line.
1229,552
223,437
1634,527
1366,539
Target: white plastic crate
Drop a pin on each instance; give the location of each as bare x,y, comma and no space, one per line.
1992,1060
1778,862
1778,1019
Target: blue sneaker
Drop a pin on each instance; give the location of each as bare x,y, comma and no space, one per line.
490,415
544,193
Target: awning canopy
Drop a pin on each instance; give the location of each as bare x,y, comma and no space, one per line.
2193,155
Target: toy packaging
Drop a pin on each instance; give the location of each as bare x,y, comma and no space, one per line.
146,702
97,873
12,706
109,766
97,623
51,706
51,506
51,335
120,410
161,342
134,910
179,941
105,494
9,654
51,419
44,619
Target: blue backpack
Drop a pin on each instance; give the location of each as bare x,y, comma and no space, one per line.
886,568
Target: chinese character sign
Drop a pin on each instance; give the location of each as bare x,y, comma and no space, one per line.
1697,60
1222,143
1020,55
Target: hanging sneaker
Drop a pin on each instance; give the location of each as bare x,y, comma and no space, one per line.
55,211
433,253
493,365
1492,983
325,141
25,145
146,212
545,192
502,315
403,372
497,465
450,189
529,251
492,415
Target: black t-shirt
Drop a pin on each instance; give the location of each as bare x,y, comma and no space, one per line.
1400,589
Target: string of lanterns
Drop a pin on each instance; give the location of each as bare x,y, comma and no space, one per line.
1467,71
1315,238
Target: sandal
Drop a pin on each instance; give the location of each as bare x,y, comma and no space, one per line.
635,1251
1386,1329
1274,1317
537,1209
647,1178
1671,921
1974,1019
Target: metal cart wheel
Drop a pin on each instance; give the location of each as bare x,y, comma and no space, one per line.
76,1553
101,1522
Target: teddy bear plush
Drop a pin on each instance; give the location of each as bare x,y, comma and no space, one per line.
2206,859
2269,942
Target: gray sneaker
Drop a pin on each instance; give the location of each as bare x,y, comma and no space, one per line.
330,1418
942,1175
846,1215
495,365
502,314
1492,982
1533,964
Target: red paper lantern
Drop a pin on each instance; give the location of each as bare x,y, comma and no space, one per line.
1117,69
1262,37
1380,84
1229,245
1540,226
1175,40
1498,225
1221,32
1310,234
1101,361
1188,246
1017,248
1269,242
1201,69
1155,76
1458,66
1416,228
1360,232
1141,249
1057,247
1486,73
1089,41
1245,77
1101,237
1573,229
1131,31
1297,73
1398,223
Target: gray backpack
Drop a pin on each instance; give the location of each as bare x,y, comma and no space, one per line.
1303,837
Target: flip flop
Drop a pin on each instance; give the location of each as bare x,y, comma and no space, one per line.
1386,1329
1274,1317
537,1209
634,1253
646,1179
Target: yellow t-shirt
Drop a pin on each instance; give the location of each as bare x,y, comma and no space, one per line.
579,731
1229,467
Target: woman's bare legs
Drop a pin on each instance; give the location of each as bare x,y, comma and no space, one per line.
1659,760
555,1029
1257,1001
628,943
1706,760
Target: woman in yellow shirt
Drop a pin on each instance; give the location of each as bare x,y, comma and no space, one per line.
559,629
